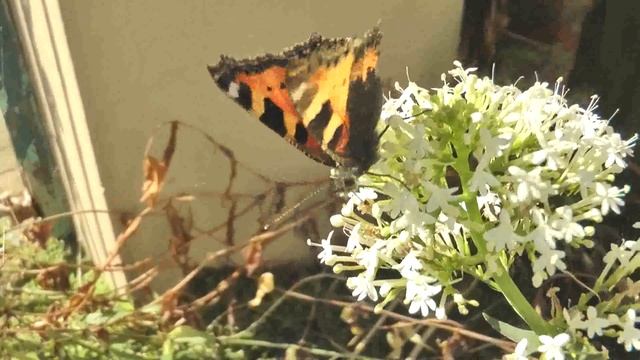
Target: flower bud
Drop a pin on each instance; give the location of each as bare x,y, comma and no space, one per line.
336,221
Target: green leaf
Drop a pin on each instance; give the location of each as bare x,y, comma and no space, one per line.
95,318
27,356
513,333
167,350
187,334
125,306
234,354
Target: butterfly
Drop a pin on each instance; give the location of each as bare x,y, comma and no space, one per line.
322,96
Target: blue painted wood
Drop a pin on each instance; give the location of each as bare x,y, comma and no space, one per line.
26,128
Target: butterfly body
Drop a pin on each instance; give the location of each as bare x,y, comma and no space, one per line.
322,96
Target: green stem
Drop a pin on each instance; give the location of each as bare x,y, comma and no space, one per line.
521,305
603,276
621,272
606,281
470,200
476,217
503,282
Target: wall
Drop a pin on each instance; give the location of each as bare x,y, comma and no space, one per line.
142,63
10,174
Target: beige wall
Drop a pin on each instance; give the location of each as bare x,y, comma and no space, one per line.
10,173
141,63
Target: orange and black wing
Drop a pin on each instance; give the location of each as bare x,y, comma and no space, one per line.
338,95
322,96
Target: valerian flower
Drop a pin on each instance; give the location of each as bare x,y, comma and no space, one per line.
552,346
362,286
326,255
502,236
630,334
420,292
520,352
593,323
471,176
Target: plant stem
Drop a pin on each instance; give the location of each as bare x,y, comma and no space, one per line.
503,282
521,305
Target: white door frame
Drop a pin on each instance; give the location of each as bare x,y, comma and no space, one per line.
44,43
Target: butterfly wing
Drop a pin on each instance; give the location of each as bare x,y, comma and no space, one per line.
339,96
312,94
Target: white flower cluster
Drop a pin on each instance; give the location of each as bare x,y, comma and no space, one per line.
469,177
550,346
615,316
625,328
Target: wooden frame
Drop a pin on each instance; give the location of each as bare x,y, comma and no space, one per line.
43,39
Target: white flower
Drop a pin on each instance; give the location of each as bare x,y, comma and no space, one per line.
618,149
593,323
630,334
619,253
482,181
326,255
520,352
563,222
548,154
544,234
422,303
530,185
418,146
548,261
609,197
586,178
551,347
362,287
405,104
492,146
369,257
354,240
539,170
385,288
440,198
419,294
538,277
476,117
502,236
574,322
365,193
400,199
363,196
412,220
634,246
409,266
489,204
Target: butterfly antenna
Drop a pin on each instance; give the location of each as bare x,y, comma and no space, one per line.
289,211
390,177
383,131
418,114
